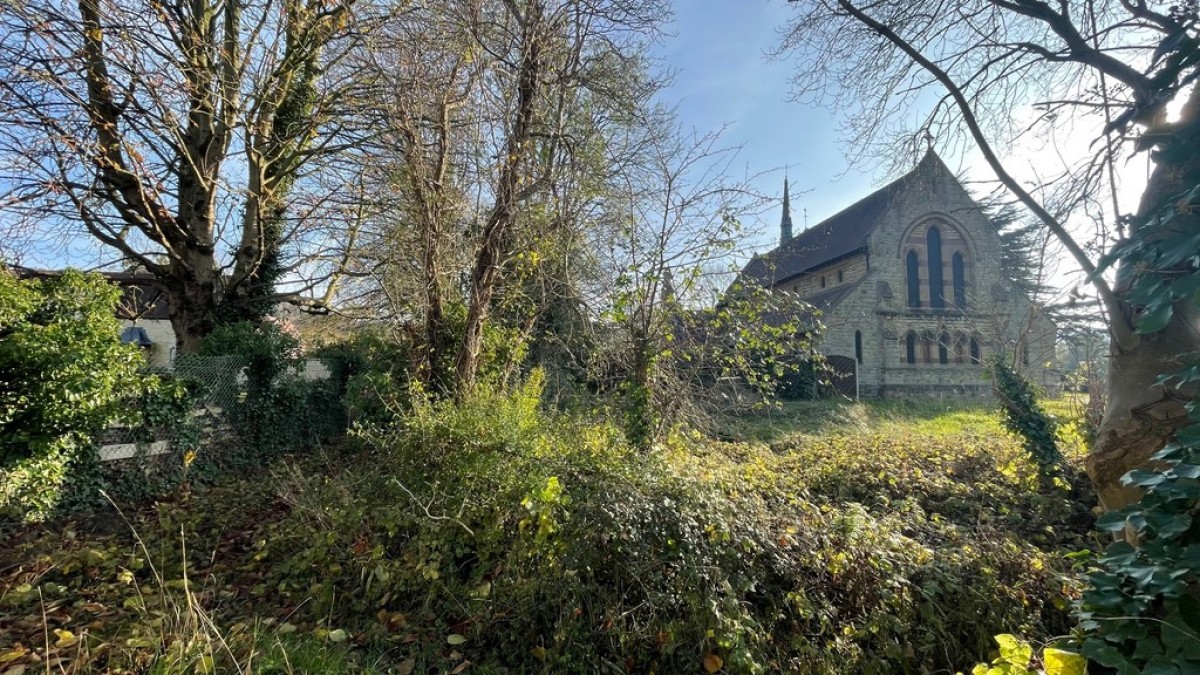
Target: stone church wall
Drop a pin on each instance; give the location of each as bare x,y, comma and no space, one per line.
878,307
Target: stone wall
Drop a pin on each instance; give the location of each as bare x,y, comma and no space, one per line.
827,278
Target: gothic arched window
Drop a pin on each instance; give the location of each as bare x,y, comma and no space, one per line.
937,286
944,349
958,271
914,279
858,349
975,355
910,347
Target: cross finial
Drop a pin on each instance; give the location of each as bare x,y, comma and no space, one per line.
928,140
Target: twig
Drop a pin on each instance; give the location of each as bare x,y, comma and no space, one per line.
430,515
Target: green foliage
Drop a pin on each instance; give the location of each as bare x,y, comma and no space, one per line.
1141,611
684,364
279,411
546,543
1025,418
1016,657
755,335
64,377
270,350
494,533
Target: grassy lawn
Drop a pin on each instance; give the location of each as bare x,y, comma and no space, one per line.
882,533
902,416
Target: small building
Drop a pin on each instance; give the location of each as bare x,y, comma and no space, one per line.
145,317
910,290
142,311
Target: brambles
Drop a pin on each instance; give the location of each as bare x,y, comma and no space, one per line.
496,533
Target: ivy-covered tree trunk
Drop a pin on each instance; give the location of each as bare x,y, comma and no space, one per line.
1143,415
514,172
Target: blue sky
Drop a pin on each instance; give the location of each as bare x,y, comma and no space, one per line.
723,77
718,49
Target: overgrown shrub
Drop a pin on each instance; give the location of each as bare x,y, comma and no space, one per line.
64,377
279,411
531,542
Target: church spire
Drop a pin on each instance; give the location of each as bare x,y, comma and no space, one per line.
785,224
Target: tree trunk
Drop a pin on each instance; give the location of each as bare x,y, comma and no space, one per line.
192,302
497,232
439,338
1143,416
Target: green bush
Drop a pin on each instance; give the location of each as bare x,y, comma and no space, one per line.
279,411
536,543
64,377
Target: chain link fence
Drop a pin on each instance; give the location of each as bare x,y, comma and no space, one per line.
218,386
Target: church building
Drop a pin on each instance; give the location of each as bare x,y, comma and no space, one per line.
910,290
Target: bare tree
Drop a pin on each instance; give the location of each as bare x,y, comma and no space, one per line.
489,111
172,134
1115,65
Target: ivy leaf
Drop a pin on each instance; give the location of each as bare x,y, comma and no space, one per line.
1142,478
1155,318
1060,662
1189,611
1111,521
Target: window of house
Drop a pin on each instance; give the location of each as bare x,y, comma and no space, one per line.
913,266
822,281
1025,354
976,356
910,347
841,277
944,349
858,348
937,286
958,272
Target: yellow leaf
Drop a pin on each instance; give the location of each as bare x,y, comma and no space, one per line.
539,653
16,653
455,639
712,663
189,457
65,638
1059,662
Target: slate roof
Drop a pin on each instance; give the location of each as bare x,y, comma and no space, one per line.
838,236
827,300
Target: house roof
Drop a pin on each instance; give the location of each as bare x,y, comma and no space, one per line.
838,236
827,300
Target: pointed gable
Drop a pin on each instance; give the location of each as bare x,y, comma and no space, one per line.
840,235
